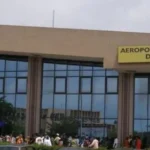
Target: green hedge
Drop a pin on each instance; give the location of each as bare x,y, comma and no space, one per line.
44,147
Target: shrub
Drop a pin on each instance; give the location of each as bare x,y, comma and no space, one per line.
44,147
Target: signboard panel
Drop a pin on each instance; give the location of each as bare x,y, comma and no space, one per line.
133,54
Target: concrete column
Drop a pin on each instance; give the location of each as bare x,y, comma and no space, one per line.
125,105
34,95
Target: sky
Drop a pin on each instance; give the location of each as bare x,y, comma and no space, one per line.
118,15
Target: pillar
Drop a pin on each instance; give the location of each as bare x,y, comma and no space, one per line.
34,95
125,105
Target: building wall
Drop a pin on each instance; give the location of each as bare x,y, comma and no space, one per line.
71,43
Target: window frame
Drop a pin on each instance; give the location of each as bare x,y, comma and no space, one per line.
55,80
80,84
2,78
106,81
17,92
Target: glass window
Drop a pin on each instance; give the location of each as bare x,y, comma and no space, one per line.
73,73
59,102
22,66
140,126
86,67
60,85
10,65
111,106
85,102
98,68
149,107
1,85
112,85
141,85
48,66
10,74
21,85
140,106
86,73
48,85
22,74
111,73
2,65
73,85
21,101
61,67
1,74
48,73
73,67
72,102
99,85
10,99
10,85
98,105
85,85
60,73
47,101
98,73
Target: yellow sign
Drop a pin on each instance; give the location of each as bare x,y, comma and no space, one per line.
134,54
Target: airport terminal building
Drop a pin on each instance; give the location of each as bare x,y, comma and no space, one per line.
101,78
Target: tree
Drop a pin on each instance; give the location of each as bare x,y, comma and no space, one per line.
67,125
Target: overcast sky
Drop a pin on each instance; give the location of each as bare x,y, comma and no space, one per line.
122,15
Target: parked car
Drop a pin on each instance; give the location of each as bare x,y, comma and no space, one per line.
16,147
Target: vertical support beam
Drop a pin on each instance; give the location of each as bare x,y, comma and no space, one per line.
125,105
34,95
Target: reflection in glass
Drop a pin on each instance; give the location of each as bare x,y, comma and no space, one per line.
111,108
140,106
99,85
22,66
112,85
10,85
1,85
48,85
85,85
73,85
47,101
141,85
98,104
59,102
21,85
10,99
21,101
60,85
11,65
140,126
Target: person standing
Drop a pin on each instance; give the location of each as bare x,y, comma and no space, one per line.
115,145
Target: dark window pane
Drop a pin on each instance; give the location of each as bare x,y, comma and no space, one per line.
86,67
111,127
73,85
111,108
2,65
141,85
10,74
73,67
22,66
98,68
21,85
98,105
21,101
10,85
48,73
47,102
73,73
72,102
1,85
48,66
22,74
10,65
140,126
61,67
10,99
48,85
59,102
99,85
112,85
60,73
85,85
1,74
98,73
111,73
60,85
85,102
140,106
